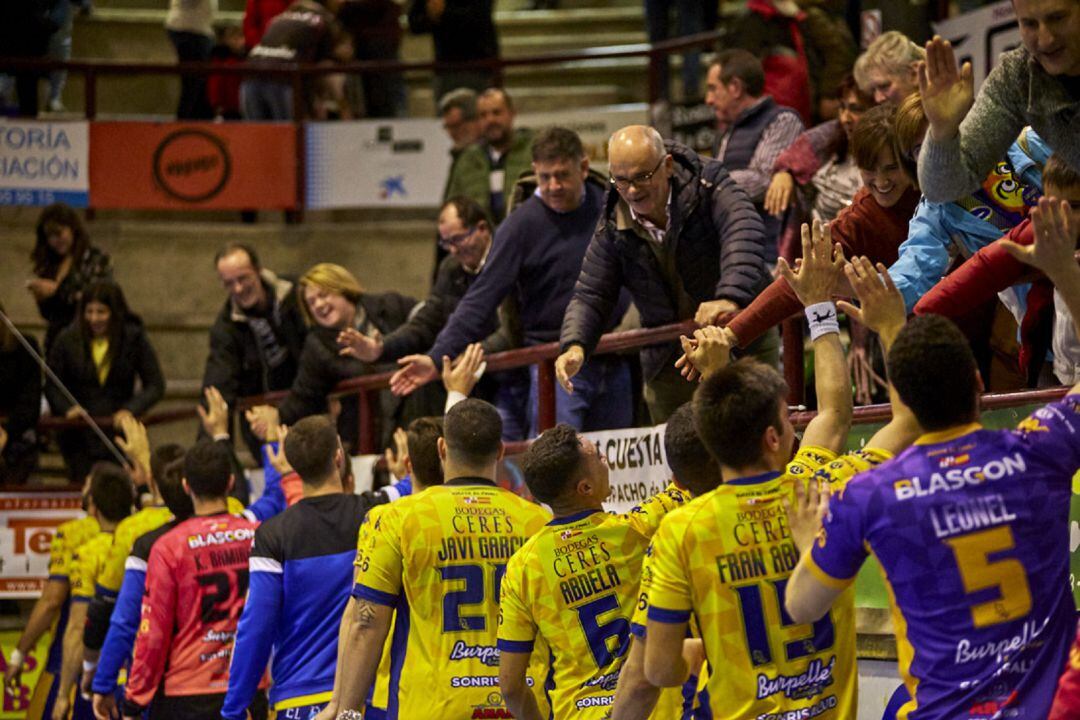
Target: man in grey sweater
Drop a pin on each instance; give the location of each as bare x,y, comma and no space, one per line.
1037,84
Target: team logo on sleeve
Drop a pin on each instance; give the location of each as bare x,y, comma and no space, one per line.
1031,425
953,461
567,534
476,500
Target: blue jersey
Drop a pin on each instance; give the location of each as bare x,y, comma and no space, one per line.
971,529
301,572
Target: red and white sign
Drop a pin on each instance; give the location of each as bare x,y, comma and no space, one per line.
28,522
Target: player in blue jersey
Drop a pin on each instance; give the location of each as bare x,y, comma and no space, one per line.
301,571
970,525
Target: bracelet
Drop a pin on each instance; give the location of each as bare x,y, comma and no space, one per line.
218,437
822,319
16,658
350,715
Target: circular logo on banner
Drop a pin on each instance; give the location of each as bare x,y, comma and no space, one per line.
192,165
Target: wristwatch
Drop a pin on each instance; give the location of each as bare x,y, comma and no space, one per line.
350,715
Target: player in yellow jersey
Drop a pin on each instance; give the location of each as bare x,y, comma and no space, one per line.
726,557
51,611
111,495
575,583
438,559
635,697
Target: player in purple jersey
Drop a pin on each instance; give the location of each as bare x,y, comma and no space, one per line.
970,525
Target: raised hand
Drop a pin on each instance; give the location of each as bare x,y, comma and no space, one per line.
355,344
816,279
215,417
416,371
778,196
808,510
464,372
277,455
396,458
882,304
264,421
134,443
1054,249
947,92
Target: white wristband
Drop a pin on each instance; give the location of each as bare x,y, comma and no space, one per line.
16,658
89,666
822,319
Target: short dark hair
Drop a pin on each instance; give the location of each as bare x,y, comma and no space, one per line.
552,463
463,99
1060,174
934,371
163,456
234,247
207,468
848,86
744,65
472,432
690,461
310,448
468,211
111,491
423,440
557,143
733,408
492,91
170,484
875,130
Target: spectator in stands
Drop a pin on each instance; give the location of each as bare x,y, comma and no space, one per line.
65,263
817,175
758,130
257,17
939,232
223,91
682,237
62,15
20,406
831,51
487,171
466,233
306,32
536,257
1046,323
25,29
873,225
691,21
463,30
1035,85
887,69
257,337
333,301
460,120
375,26
98,358
190,24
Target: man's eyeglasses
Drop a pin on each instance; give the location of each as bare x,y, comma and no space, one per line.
640,180
452,241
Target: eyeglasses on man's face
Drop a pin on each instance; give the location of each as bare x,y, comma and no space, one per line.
640,180
452,241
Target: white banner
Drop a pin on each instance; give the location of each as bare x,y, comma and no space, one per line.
44,162
637,463
28,522
376,163
594,125
981,35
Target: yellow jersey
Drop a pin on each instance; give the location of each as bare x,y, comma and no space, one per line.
69,536
364,543
726,558
87,563
574,584
438,558
127,532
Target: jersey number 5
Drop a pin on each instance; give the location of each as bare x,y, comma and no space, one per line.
218,591
472,592
757,629
978,572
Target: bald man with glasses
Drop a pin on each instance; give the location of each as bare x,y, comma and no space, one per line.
682,237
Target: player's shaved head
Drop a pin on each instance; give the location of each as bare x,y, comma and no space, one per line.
934,372
690,461
472,432
111,491
734,407
553,463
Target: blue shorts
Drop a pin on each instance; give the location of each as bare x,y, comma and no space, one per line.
303,712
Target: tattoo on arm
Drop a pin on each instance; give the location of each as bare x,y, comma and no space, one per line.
364,614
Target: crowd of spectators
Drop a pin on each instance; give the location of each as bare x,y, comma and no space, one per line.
535,246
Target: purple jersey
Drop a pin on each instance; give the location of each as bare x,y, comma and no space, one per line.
971,529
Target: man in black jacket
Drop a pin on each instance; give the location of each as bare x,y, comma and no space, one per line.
686,242
256,340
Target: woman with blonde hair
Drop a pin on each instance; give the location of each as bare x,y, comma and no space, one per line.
887,70
332,300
